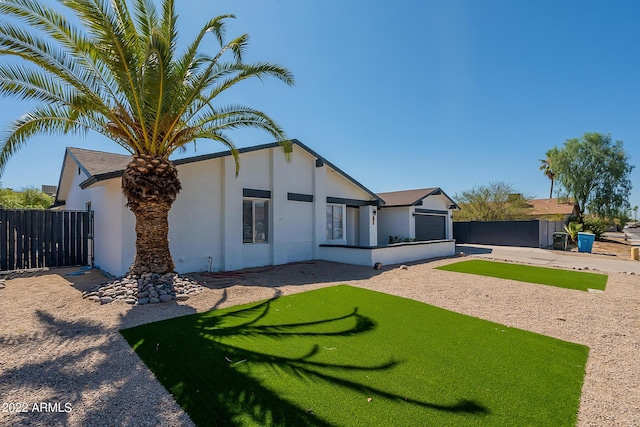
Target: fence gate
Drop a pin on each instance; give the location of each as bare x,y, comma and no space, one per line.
42,238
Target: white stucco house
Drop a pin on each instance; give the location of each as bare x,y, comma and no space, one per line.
274,212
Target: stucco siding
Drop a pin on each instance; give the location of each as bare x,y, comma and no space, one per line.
300,166
195,219
394,222
299,237
435,202
109,250
77,199
339,186
255,170
393,254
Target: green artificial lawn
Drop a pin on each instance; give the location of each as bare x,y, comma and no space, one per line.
345,356
569,279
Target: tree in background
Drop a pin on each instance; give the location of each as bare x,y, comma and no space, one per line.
493,202
29,198
118,73
545,167
595,172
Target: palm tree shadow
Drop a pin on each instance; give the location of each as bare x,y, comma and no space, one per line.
216,386
90,380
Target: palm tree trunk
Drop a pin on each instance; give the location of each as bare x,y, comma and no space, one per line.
551,190
150,184
152,242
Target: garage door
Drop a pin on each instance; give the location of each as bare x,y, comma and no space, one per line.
430,227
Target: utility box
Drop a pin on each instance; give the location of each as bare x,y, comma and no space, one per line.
560,240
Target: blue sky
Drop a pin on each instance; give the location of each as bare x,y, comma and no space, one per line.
411,94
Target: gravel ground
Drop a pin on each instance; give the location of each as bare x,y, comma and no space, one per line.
63,361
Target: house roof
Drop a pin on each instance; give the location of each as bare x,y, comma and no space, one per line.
551,206
412,197
100,165
97,163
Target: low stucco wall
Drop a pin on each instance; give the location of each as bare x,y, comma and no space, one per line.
387,255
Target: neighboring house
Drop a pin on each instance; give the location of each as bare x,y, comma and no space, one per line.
49,190
274,212
553,209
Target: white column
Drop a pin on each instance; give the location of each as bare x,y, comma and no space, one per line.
412,223
368,226
279,231
232,217
319,208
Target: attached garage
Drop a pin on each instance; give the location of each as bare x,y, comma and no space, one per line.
421,215
430,226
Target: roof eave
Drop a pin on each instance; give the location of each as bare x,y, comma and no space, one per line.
93,179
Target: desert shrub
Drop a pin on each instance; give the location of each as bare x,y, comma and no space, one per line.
596,225
572,229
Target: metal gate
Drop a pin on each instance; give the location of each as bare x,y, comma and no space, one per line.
44,238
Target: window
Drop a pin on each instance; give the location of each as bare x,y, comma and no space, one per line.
255,221
334,222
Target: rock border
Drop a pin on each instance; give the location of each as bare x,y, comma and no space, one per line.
149,288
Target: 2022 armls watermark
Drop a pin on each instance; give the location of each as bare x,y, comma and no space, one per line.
48,407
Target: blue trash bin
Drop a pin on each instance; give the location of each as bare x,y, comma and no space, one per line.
585,242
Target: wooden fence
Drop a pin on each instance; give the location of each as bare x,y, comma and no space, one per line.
43,238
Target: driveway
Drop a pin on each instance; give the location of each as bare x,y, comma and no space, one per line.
632,235
551,258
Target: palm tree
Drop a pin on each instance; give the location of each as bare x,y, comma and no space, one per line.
545,167
118,74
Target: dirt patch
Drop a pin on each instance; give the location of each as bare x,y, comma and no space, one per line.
608,248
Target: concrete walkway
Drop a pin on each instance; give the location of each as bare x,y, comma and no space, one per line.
550,258
632,235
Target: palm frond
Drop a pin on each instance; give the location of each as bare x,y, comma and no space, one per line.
72,39
117,72
115,48
239,116
218,136
34,85
146,17
48,120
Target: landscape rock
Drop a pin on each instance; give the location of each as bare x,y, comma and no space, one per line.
146,289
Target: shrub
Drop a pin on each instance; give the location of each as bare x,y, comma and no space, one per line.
398,239
596,225
572,230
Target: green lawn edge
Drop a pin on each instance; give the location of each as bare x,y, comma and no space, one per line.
569,279
346,356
